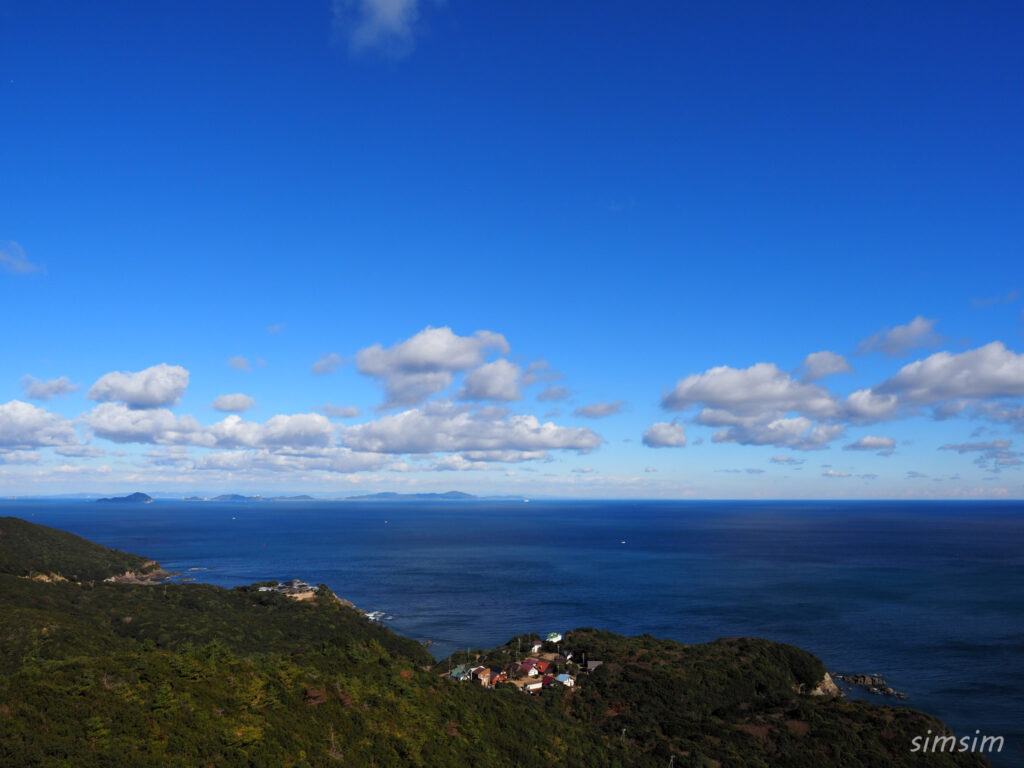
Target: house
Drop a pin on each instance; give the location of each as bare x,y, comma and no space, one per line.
536,647
528,667
546,681
482,675
542,666
498,676
461,672
566,680
554,637
533,686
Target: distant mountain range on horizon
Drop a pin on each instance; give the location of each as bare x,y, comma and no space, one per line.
143,498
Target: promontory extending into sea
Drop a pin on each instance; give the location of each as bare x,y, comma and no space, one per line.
151,673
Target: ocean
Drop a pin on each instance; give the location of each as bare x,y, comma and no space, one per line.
929,594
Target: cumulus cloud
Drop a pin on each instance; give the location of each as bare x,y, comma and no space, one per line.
240,363
236,403
799,433
443,427
120,424
919,333
424,364
333,460
26,426
328,363
600,410
993,456
377,24
14,260
785,460
540,371
866,405
458,463
884,446
834,473
991,371
338,411
37,389
992,445
665,435
818,365
498,381
159,385
744,393
554,394
300,430
650,469
80,451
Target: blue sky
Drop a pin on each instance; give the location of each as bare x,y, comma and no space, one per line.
652,214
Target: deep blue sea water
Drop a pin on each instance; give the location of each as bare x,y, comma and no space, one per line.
931,595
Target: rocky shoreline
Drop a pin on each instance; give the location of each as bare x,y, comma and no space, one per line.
873,684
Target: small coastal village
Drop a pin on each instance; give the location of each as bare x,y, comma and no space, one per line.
547,664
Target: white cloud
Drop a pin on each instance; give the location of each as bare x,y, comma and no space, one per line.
13,259
24,426
497,381
818,365
328,363
300,430
297,432
993,445
993,456
600,410
459,463
443,427
121,424
386,24
333,460
834,473
554,394
866,405
990,371
799,433
240,363
884,446
80,451
236,403
157,386
541,371
650,469
422,365
19,457
895,342
665,435
37,389
785,460
338,411
750,392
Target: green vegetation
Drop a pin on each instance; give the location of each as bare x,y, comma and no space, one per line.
100,674
27,549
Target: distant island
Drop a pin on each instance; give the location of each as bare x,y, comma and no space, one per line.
383,496
133,498
237,497
447,496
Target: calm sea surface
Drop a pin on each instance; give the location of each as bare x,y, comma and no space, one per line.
931,595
